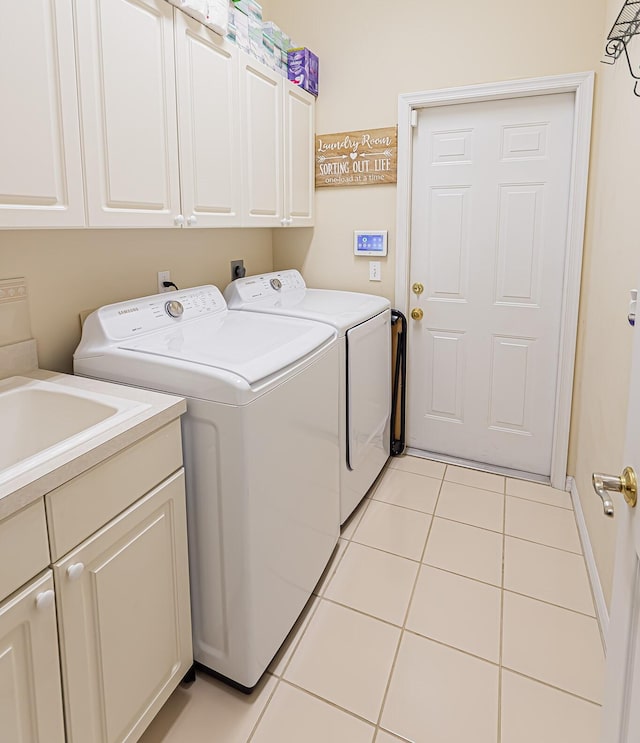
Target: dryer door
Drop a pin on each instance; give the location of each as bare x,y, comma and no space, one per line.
368,391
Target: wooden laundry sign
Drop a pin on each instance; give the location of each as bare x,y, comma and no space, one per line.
368,157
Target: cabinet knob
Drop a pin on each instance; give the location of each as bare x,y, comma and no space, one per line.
192,221
179,221
75,571
289,222
45,599
283,222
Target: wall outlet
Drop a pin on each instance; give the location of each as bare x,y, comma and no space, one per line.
163,276
237,270
375,271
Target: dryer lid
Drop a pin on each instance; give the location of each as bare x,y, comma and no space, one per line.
252,346
284,293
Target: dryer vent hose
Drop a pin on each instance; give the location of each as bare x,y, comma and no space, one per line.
399,391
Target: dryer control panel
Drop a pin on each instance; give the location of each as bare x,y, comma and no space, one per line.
254,288
128,319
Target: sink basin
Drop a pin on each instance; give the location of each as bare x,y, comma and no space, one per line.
41,420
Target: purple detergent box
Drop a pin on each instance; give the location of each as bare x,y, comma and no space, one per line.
303,69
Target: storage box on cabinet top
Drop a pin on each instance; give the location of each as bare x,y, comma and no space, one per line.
303,69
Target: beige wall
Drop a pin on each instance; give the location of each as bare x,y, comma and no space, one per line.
71,270
371,51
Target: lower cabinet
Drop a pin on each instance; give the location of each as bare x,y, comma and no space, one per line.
93,646
125,627
30,692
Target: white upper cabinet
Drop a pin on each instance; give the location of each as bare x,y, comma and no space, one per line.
208,125
299,134
262,117
128,103
40,163
278,136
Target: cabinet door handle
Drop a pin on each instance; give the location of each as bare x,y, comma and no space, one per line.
192,221
45,599
283,222
75,571
179,221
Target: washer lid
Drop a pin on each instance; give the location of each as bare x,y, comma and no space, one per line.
250,345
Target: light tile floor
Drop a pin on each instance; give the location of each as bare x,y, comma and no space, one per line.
456,609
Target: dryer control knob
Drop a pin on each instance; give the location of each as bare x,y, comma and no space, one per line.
276,284
174,308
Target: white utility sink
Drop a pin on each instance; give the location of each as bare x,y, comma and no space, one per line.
40,420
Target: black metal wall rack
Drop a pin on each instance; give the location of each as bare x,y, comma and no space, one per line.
627,26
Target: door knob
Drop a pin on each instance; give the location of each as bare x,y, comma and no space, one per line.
627,484
417,313
417,288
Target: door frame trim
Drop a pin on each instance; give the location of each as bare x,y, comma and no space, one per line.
581,85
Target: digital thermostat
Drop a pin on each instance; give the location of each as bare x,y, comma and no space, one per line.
370,242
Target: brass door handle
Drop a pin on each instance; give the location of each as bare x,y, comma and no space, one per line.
627,484
417,313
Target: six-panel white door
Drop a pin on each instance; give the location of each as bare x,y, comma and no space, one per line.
209,125
128,101
41,169
489,220
30,690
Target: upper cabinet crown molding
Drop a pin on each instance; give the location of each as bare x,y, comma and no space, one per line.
40,161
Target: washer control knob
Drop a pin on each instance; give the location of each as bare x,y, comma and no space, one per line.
174,308
276,284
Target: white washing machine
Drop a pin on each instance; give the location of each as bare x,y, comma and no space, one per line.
260,440
363,322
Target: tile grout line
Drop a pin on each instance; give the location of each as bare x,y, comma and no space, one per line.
550,603
501,649
551,686
406,615
264,709
313,694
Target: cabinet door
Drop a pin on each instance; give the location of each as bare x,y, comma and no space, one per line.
261,110
299,115
208,125
125,625
40,166
30,692
127,91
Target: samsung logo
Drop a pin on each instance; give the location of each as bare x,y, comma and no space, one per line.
128,311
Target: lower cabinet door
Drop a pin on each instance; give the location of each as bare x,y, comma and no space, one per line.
125,625
30,692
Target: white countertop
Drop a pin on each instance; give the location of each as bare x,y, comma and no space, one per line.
38,480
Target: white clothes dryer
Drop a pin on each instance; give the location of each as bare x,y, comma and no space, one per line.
363,323
260,442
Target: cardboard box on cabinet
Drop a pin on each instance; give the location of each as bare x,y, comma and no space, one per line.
303,69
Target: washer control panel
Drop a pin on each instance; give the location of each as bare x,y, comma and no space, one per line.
254,288
127,319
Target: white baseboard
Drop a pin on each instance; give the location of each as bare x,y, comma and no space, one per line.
594,577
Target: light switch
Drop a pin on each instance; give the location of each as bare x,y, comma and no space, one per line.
375,272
